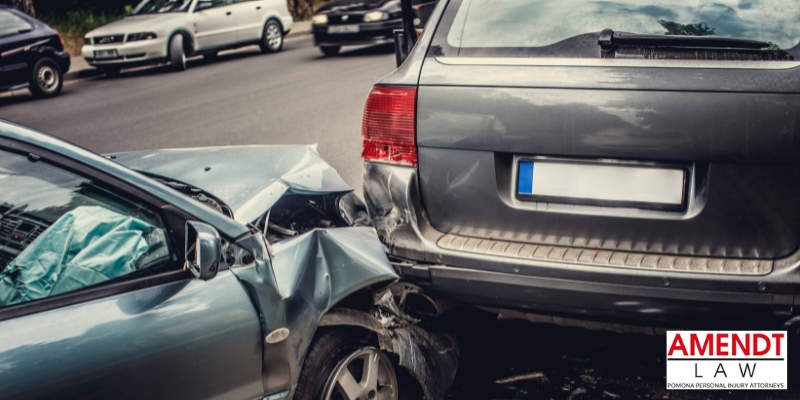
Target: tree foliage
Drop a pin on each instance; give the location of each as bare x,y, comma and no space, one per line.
674,28
25,5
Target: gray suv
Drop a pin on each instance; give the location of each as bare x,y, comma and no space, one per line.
607,164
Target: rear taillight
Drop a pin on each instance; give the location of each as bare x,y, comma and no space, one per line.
60,38
389,126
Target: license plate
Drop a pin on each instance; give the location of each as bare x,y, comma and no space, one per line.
343,29
601,184
105,54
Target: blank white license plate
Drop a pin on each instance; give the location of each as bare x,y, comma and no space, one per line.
601,184
105,54
343,29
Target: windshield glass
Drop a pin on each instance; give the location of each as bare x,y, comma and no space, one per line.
161,6
539,23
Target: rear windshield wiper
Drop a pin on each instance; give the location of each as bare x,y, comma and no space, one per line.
609,39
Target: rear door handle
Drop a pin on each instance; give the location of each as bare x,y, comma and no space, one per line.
258,8
228,13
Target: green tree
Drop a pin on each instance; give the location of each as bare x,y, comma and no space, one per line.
674,28
25,6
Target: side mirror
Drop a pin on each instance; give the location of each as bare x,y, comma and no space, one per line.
203,5
400,49
203,250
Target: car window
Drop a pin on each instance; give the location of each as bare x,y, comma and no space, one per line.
570,28
61,232
161,6
243,1
11,24
214,3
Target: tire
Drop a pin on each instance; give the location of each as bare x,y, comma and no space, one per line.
47,79
177,54
330,51
342,351
272,37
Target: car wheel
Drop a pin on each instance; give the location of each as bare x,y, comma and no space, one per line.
342,365
47,79
272,39
330,51
177,55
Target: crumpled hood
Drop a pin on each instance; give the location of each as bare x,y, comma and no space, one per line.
249,179
136,23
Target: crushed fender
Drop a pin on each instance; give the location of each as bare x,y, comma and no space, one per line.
431,357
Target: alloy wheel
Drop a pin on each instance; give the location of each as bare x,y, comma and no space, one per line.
366,374
274,37
47,78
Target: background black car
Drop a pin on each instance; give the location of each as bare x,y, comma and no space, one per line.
357,22
31,54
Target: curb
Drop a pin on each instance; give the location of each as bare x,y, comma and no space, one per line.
82,74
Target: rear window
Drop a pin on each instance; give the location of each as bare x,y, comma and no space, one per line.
572,28
11,24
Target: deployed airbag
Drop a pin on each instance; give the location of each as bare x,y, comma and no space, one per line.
86,246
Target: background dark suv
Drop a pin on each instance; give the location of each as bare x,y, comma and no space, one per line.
31,54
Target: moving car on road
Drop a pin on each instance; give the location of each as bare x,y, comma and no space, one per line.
346,22
31,54
159,31
234,272
596,163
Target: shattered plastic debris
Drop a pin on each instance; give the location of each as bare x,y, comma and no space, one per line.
589,379
523,377
432,358
576,392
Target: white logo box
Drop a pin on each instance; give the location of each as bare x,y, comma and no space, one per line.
727,360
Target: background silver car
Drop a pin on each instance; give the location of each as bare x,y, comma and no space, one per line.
159,31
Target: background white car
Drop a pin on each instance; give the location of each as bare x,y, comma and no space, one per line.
159,31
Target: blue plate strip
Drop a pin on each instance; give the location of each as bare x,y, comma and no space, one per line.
525,185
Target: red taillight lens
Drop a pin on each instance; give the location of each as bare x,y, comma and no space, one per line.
60,38
389,127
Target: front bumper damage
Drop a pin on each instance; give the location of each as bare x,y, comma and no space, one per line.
312,248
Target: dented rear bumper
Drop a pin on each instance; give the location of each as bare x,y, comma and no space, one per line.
756,297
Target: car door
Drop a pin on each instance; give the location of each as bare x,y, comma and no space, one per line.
250,16
94,302
16,35
215,24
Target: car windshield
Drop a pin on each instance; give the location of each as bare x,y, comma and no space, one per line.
161,6
520,24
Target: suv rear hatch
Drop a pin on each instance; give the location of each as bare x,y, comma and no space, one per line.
666,128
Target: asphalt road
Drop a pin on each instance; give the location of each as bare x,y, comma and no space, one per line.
293,97
298,96
514,359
